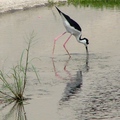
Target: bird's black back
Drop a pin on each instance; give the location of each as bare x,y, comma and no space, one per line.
71,21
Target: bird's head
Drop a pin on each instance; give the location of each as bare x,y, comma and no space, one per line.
84,41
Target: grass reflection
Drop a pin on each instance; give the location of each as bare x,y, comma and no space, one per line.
17,111
96,3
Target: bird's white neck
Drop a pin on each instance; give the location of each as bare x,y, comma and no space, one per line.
78,38
81,40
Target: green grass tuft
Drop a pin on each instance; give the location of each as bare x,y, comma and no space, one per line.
14,82
96,3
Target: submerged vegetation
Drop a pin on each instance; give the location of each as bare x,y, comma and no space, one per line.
96,3
14,82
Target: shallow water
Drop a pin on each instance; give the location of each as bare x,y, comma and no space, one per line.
80,88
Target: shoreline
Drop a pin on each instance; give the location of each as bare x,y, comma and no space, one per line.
16,5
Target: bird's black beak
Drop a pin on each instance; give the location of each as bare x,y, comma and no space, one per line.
86,49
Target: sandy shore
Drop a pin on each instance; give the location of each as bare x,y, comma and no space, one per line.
9,5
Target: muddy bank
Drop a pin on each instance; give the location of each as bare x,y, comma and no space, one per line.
14,5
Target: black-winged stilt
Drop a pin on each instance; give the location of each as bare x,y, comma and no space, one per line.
73,28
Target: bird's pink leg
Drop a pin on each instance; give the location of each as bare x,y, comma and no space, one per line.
56,40
65,44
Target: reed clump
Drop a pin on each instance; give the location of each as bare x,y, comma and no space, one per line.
14,82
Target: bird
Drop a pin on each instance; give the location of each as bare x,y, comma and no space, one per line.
74,29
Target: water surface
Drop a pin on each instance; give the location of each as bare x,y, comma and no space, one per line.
80,88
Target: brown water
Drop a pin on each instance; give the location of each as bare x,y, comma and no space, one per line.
80,88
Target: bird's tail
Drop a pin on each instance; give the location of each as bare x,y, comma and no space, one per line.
58,10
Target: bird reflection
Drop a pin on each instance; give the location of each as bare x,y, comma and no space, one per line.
86,68
87,63
66,71
75,82
73,86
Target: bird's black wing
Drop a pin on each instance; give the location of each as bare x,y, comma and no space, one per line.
71,21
